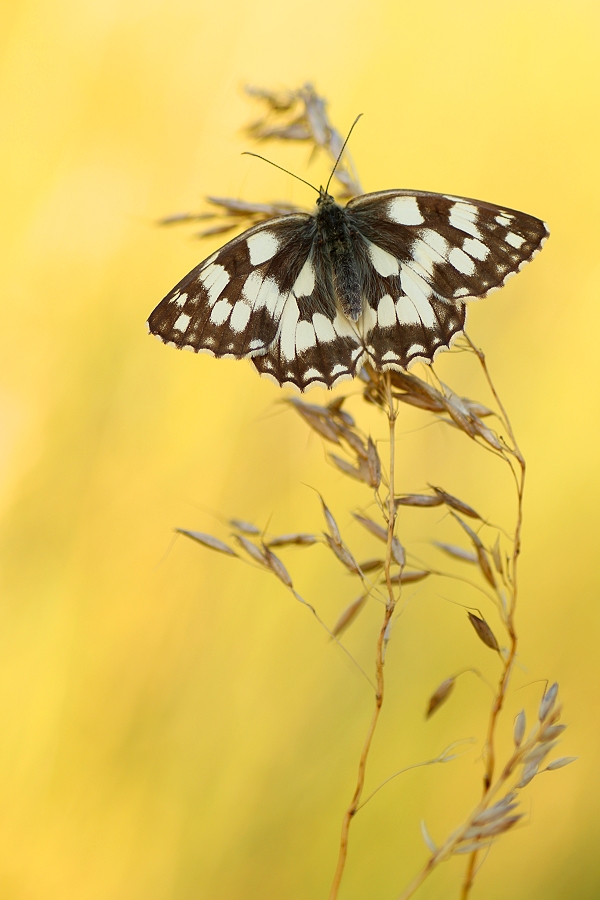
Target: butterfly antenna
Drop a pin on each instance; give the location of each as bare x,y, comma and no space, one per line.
271,163
342,151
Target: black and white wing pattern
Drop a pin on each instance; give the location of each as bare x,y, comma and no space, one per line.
385,280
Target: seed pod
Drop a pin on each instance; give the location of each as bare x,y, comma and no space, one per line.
251,549
246,527
539,753
497,557
420,402
370,565
455,503
529,773
277,567
548,701
343,555
417,392
349,615
353,440
372,526
331,524
398,552
497,811
477,409
560,762
283,540
459,413
493,828
374,464
473,847
409,577
484,563
347,468
439,696
336,411
427,837
207,540
484,632
551,732
318,419
457,552
418,500
489,436
520,725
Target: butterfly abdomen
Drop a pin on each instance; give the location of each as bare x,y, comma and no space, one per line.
337,246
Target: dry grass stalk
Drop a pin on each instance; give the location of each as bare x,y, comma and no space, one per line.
301,116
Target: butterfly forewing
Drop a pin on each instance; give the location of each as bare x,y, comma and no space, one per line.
269,294
231,304
462,247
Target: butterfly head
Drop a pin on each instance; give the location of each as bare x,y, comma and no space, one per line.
325,199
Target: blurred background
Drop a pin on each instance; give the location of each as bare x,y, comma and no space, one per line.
173,724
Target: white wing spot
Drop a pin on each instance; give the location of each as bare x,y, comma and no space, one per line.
368,319
311,374
305,336
461,262
252,286
418,291
515,240
405,211
262,246
287,328
343,327
415,350
339,368
386,312
390,356
463,216
406,311
324,329
504,220
220,312
425,257
182,322
239,316
384,262
476,248
214,279
268,296
435,241
305,282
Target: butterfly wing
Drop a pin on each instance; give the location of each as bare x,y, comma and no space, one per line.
315,342
425,255
231,303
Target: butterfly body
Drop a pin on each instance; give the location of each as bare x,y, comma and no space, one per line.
335,240
385,279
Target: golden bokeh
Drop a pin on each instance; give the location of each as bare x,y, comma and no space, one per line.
173,725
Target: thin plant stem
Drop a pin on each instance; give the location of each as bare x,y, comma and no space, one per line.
498,702
379,654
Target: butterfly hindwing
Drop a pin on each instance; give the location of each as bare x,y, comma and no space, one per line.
315,343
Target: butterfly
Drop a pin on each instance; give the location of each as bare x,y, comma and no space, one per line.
385,279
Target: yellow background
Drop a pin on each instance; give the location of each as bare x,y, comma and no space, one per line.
172,724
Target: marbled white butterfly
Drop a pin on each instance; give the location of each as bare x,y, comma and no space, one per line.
385,280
